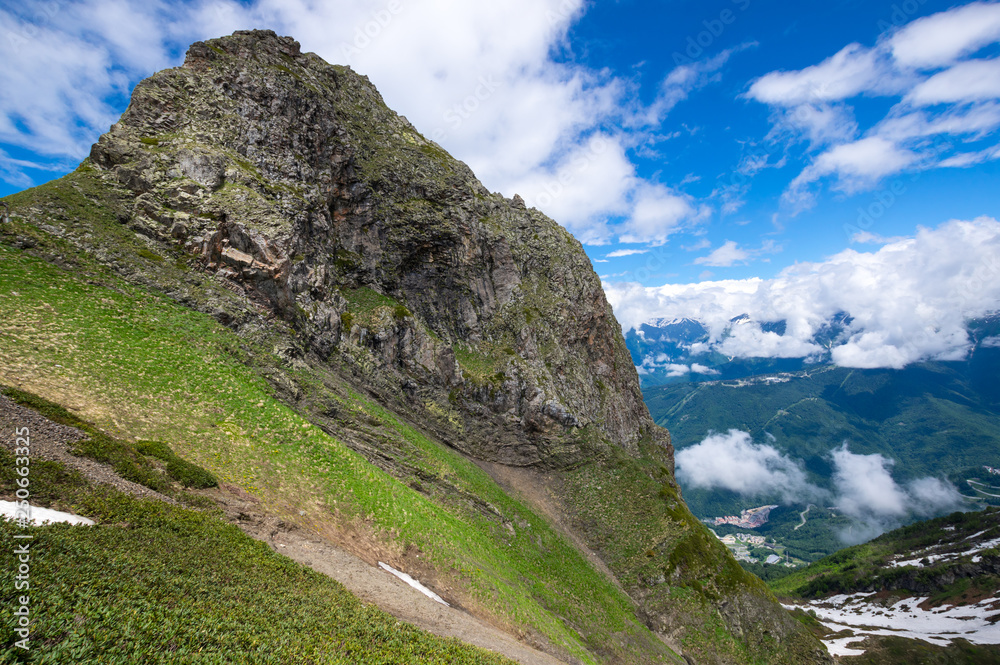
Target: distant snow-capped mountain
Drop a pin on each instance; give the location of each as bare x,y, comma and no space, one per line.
677,349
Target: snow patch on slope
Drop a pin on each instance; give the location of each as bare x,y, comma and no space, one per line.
413,583
37,516
865,616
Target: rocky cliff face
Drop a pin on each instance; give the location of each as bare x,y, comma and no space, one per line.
290,179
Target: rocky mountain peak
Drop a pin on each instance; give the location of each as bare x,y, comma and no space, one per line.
290,180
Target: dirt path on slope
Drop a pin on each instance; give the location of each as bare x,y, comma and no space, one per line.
536,489
52,441
374,585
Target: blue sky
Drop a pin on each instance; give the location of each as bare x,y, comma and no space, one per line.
685,143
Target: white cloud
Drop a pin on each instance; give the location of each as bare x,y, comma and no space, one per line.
815,103
851,71
863,487
703,243
479,78
730,254
933,496
733,462
965,159
682,81
942,38
974,120
626,252
909,300
587,185
662,362
970,81
819,124
751,341
725,256
657,213
867,237
866,491
855,166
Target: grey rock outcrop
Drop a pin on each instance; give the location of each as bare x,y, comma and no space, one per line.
290,178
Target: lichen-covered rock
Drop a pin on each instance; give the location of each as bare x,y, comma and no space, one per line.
291,177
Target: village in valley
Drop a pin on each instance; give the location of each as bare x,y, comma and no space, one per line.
747,546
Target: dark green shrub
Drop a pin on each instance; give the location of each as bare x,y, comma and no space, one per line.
190,475
156,449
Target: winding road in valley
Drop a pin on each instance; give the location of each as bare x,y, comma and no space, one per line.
803,516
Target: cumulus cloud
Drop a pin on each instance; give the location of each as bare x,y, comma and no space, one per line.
727,255
657,213
662,362
732,461
730,254
478,78
865,485
867,237
866,491
861,486
858,165
908,301
970,81
849,72
942,38
926,65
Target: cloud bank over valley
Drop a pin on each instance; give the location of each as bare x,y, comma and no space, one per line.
908,301
861,486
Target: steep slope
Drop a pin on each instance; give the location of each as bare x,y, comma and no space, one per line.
376,310
194,588
929,592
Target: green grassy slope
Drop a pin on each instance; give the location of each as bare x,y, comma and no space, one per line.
156,583
144,367
867,567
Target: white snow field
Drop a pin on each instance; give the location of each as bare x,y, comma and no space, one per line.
863,615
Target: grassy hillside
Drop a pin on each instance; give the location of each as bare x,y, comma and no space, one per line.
144,367
186,588
946,570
